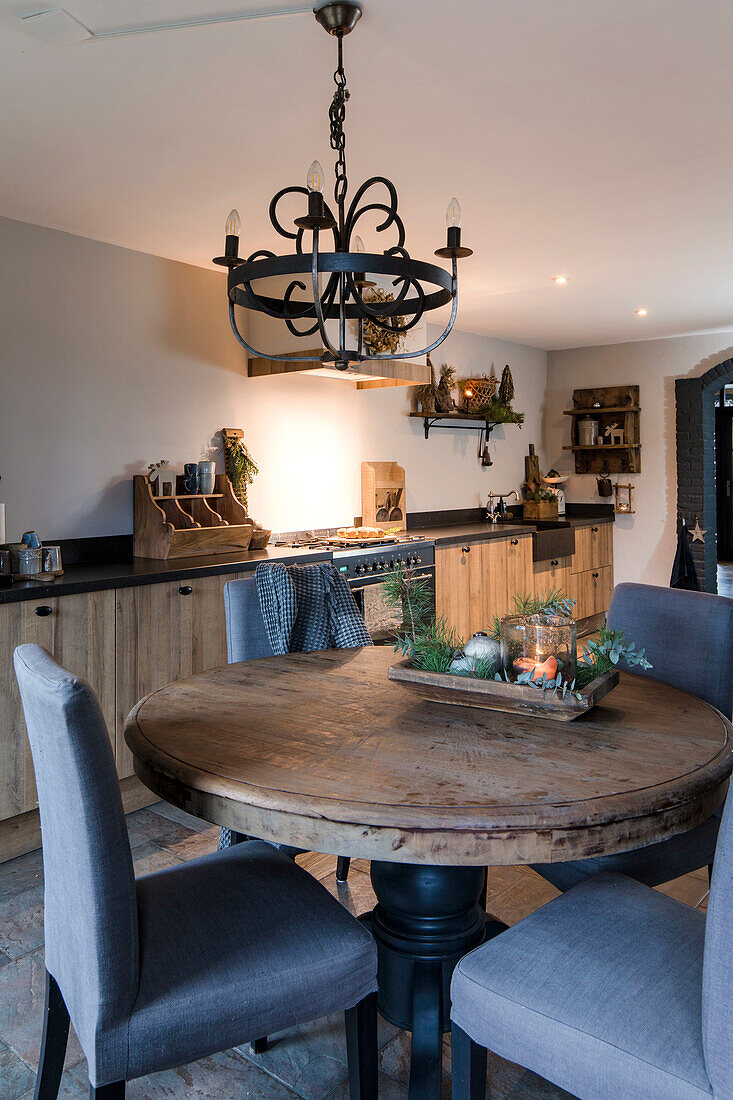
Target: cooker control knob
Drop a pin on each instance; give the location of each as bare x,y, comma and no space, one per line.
360,570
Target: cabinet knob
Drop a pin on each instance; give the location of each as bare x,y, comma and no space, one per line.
554,562
594,530
514,542
185,590
596,576
43,610
465,549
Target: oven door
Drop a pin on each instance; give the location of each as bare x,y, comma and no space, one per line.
383,622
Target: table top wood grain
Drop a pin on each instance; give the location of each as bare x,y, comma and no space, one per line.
322,751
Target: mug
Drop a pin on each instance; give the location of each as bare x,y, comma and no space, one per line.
52,560
206,477
30,561
191,477
6,569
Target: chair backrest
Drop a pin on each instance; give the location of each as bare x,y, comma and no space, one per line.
688,637
246,636
90,901
717,986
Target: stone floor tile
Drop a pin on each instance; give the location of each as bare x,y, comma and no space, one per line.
507,1081
355,894
145,826
518,901
22,994
72,1087
311,1058
195,844
195,824
16,1078
21,923
21,874
149,857
690,889
226,1076
388,1090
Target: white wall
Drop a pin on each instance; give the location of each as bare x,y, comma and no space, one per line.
110,359
644,544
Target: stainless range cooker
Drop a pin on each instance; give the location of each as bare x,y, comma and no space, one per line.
365,566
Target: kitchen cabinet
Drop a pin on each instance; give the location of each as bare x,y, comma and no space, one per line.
476,580
164,632
79,631
592,590
593,547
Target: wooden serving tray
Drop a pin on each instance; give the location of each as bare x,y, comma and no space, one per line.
437,687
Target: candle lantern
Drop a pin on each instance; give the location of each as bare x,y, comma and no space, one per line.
542,644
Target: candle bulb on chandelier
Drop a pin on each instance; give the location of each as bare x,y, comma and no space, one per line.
232,230
315,177
317,217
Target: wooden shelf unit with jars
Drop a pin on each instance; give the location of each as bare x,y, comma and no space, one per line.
182,525
612,407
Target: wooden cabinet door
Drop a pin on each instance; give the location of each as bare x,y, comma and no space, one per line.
593,547
552,574
459,586
79,632
476,581
164,633
593,590
520,569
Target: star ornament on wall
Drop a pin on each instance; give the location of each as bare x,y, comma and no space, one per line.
698,532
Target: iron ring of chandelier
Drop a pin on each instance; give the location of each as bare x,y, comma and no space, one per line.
338,278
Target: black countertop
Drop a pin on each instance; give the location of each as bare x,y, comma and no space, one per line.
96,576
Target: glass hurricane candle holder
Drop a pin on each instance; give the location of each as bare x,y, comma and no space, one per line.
544,644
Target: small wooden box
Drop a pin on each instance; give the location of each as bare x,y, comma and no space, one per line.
540,509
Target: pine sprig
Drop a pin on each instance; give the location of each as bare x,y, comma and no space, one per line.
552,602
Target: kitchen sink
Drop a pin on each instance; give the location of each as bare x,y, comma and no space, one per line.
552,540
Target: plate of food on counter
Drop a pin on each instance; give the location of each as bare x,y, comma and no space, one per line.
363,534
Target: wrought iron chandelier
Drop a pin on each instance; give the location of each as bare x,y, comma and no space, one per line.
339,278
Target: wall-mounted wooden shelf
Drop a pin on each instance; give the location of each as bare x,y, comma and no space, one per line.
186,525
610,406
606,447
603,409
453,420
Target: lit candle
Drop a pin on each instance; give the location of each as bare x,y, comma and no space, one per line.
539,669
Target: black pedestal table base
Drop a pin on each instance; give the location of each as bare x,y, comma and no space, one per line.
425,920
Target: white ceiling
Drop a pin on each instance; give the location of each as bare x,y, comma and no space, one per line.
591,138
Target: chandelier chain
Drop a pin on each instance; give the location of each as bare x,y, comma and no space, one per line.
337,116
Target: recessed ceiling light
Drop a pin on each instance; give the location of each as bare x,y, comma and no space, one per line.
560,280
641,312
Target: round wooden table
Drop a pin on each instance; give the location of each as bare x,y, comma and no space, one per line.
321,751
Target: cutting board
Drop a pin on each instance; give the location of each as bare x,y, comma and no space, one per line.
383,495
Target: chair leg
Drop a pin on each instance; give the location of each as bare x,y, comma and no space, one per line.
115,1091
483,899
710,873
53,1043
361,1047
468,1066
259,1046
342,868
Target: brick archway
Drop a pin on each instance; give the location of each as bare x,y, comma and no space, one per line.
695,401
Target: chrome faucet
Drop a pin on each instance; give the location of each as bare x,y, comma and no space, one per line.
496,512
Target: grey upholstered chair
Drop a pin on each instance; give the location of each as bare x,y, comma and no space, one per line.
688,637
187,961
612,991
247,641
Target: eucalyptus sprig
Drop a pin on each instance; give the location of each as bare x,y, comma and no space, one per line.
604,653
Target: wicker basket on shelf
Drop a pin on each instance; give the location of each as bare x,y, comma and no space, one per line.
478,392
